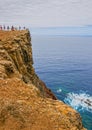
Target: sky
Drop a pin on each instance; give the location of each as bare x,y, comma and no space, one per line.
46,13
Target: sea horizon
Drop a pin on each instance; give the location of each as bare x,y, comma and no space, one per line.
62,31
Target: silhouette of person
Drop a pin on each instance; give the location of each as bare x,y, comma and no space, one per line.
4,27
24,28
8,28
19,28
12,28
0,27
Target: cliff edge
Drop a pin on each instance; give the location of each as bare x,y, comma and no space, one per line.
25,101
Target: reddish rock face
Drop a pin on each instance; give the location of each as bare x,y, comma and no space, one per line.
25,101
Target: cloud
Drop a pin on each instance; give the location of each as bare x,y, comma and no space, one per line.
46,12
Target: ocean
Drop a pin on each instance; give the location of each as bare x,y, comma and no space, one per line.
64,63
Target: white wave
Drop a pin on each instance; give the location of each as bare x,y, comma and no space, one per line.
81,101
59,90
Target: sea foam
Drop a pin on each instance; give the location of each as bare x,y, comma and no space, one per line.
59,90
80,102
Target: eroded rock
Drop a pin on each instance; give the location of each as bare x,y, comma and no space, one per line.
25,101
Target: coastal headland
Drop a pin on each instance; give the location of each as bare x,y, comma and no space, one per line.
25,101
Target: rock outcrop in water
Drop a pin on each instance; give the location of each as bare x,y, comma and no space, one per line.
25,101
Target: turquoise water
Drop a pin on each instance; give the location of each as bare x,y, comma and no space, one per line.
65,65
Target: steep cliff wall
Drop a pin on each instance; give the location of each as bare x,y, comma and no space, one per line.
25,101
16,59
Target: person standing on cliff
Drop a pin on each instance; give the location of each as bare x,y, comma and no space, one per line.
4,27
24,28
12,28
8,28
0,27
19,28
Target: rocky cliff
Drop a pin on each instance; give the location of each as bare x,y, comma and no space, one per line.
25,101
16,59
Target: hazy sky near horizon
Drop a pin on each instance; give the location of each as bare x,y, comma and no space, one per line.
46,13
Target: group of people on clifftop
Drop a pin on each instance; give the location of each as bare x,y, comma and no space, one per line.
12,28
